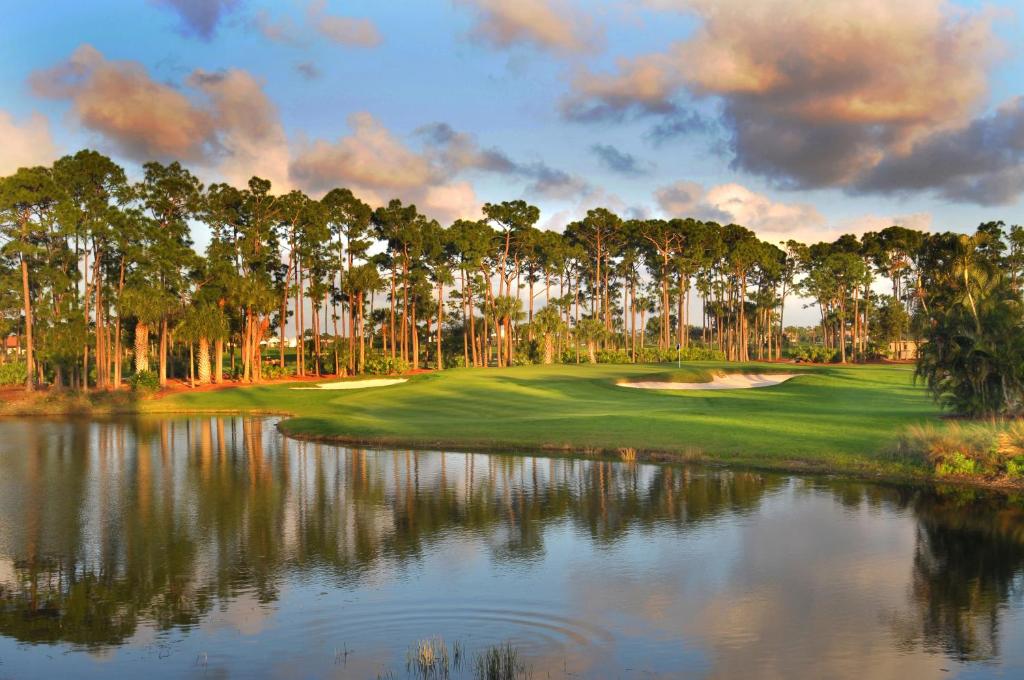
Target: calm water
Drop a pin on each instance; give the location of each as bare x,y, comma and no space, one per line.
215,547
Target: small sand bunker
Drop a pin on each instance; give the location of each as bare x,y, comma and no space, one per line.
355,384
731,381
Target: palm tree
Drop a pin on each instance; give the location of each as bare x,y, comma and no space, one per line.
548,323
202,323
149,306
590,331
360,280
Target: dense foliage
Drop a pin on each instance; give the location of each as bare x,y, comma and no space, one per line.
100,278
12,373
973,321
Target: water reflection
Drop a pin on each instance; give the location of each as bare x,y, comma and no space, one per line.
144,534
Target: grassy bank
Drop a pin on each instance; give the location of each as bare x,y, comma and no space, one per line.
843,419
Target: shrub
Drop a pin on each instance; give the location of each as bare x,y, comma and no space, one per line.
815,354
956,464
273,371
978,449
653,355
144,381
13,373
380,364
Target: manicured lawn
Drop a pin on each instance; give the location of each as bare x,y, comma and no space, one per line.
836,418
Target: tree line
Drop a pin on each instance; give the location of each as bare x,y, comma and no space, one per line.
101,280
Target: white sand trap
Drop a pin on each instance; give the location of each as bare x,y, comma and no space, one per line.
731,381
355,384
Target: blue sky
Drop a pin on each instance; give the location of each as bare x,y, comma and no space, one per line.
847,118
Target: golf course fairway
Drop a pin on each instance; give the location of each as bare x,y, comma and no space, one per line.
827,418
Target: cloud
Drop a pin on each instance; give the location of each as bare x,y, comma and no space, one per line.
456,152
199,18
308,70
554,25
143,119
864,223
680,199
250,138
349,31
369,157
811,94
552,183
280,30
377,166
451,201
619,161
26,144
680,124
735,203
982,162
227,124
774,221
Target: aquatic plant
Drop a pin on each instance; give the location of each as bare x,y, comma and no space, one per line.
499,662
428,659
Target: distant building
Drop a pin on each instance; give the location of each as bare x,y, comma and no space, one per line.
275,341
12,344
904,350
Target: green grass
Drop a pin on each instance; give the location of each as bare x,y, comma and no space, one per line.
846,419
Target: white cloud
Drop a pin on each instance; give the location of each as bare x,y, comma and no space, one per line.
774,221
549,24
25,144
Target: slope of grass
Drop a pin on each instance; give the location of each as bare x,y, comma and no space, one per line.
831,418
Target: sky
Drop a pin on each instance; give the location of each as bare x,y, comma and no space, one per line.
797,119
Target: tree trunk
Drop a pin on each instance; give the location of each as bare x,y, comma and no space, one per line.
440,320
391,325
218,358
163,352
30,373
362,336
141,347
204,361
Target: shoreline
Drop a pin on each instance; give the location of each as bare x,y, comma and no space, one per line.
690,456
650,456
838,424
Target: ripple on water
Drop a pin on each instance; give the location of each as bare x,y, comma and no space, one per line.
530,627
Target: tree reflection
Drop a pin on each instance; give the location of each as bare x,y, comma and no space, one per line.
111,525
968,564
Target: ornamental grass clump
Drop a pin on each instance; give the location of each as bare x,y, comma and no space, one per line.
986,450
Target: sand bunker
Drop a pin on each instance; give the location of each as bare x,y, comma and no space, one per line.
355,384
732,381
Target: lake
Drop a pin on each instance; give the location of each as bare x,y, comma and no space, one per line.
216,547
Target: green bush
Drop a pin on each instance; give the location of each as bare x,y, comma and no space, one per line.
144,381
644,355
378,364
988,450
956,464
273,371
455,361
815,354
13,373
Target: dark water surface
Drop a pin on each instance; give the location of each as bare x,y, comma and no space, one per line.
215,547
